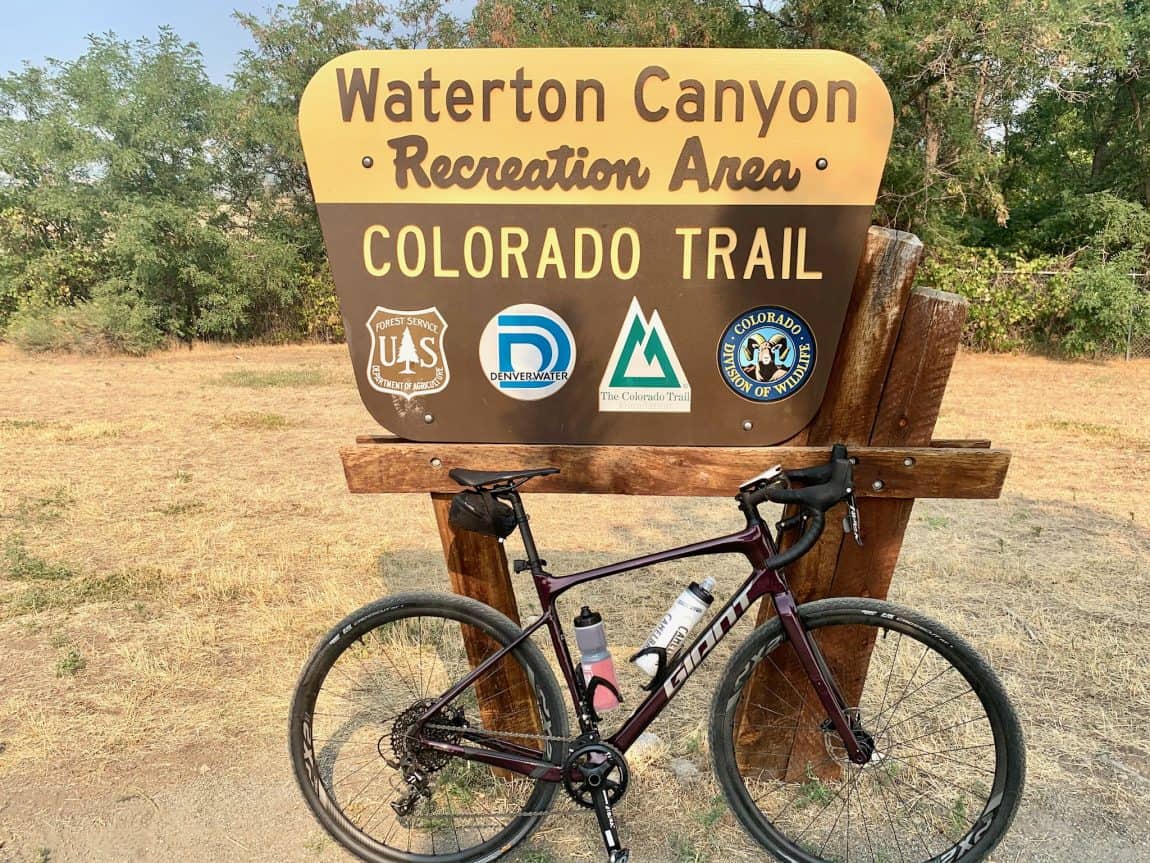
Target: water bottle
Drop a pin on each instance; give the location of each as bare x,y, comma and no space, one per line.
595,658
670,632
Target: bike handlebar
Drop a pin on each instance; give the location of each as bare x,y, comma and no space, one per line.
832,482
816,521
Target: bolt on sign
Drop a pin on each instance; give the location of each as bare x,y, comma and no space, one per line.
627,246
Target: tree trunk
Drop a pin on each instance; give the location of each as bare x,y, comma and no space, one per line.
932,143
1143,173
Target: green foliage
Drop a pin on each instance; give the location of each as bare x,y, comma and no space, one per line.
318,308
20,565
661,23
70,663
140,203
1044,304
1105,302
1014,304
109,323
111,230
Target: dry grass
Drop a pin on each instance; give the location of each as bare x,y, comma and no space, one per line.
188,515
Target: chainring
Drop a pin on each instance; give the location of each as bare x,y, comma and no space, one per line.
590,768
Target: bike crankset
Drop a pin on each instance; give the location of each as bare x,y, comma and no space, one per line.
595,767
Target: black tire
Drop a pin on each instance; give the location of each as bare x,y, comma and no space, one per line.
948,771
363,676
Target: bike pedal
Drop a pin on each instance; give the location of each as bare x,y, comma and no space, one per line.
623,855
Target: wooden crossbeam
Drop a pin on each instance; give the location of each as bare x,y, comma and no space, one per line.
381,465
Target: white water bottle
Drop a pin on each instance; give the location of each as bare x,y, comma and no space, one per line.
670,632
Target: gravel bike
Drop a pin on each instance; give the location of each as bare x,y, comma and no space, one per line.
405,750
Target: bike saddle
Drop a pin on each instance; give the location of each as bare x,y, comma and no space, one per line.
474,478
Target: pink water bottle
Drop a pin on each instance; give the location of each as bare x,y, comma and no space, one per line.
596,659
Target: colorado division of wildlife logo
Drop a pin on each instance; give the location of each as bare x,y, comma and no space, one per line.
766,354
527,352
644,373
407,357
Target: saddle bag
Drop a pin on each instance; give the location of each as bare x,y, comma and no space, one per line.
480,512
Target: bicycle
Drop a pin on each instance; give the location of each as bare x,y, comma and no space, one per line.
401,694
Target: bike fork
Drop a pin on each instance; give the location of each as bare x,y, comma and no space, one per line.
859,747
616,853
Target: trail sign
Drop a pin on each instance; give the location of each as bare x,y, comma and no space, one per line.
627,246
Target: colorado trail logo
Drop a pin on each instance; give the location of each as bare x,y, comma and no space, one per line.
766,354
407,357
644,373
527,352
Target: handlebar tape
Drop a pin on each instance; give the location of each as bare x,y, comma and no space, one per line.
802,545
833,481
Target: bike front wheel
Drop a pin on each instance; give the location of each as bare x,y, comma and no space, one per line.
947,770
362,761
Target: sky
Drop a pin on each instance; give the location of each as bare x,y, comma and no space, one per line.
33,31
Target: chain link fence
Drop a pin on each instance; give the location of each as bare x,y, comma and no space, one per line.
1021,307
1138,329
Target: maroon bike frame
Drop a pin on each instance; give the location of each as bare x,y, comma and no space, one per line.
756,544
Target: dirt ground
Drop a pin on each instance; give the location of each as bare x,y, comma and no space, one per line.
175,534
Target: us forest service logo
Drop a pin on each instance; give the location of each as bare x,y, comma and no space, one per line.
644,373
527,352
767,354
407,357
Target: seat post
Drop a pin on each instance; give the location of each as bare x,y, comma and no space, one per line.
525,531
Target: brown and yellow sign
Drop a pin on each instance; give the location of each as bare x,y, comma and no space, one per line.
594,246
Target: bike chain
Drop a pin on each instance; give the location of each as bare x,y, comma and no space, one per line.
507,733
543,813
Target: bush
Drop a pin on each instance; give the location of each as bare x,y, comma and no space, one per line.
1105,303
319,308
1042,305
1014,304
108,323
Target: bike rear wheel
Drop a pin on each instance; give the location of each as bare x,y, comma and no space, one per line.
354,743
947,773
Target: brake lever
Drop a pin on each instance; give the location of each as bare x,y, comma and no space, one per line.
851,523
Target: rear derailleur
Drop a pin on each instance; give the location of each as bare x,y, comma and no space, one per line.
416,762
417,781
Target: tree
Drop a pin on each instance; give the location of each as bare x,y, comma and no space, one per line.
266,191
1078,163
669,23
407,354
110,178
154,203
266,178
956,71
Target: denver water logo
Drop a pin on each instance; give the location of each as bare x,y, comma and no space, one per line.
527,352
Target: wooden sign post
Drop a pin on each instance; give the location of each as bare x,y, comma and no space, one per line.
885,389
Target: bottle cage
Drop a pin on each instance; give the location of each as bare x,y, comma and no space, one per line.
596,682
660,654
